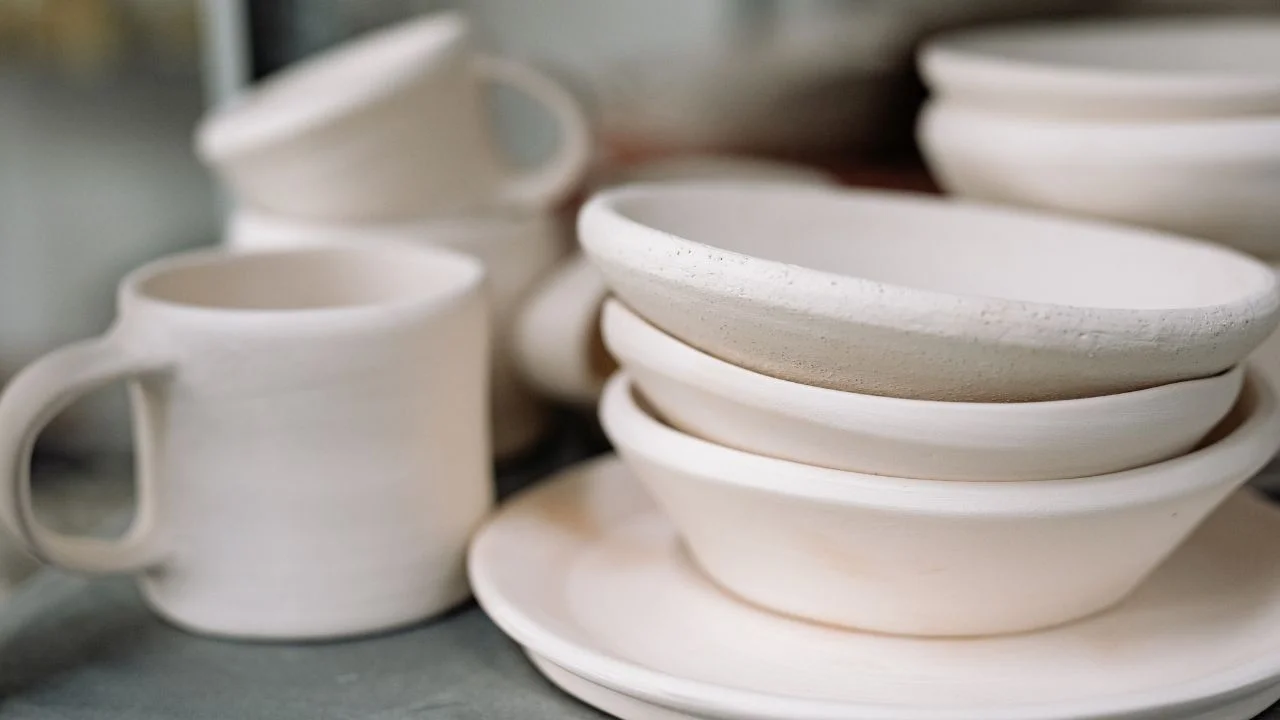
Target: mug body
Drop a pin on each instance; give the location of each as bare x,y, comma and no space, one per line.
319,449
518,250
389,126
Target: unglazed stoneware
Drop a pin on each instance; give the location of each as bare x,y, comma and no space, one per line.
732,406
910,296
518,250
927,557
1266,359
389,126
311,432
1169,68
589,575
1215,179
558,335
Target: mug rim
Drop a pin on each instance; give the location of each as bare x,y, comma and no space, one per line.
465,277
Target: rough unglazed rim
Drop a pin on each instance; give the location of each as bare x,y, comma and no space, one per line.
1248,447
822,403
723,702
608,236
962,50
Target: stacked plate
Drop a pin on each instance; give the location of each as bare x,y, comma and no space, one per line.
883,455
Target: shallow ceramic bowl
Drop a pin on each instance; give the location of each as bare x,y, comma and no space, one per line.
912,296
1155,68
1216,179
738,408
926,557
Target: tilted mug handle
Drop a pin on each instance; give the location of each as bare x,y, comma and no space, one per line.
30,401
558,176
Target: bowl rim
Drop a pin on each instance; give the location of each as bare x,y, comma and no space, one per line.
1245,449
966,52
1243,138
612,238
635,340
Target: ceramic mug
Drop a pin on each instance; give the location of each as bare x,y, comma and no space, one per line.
389,126
517,250
310,434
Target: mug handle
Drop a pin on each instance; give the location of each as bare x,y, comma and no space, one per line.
558,176
33,397
556,343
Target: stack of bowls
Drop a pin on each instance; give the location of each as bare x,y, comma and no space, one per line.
386,138
1171,123
919,416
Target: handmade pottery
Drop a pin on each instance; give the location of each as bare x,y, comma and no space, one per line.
928,557
911,296
589,575
1170,68
558,335
517,249
728,405
1267,357
311,437
389,126
1216,179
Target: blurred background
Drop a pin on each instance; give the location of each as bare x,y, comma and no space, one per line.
98,99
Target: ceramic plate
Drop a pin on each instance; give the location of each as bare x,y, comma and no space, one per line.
585,572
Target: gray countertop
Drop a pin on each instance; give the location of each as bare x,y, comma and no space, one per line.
74,648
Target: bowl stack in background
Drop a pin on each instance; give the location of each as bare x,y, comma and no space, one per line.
1165,122
945,395
386,138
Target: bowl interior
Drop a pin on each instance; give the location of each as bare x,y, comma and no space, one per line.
950,247
1172,47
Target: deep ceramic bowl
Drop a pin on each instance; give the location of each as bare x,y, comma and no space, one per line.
926,557
913,296
1167,68
1215,179
731,406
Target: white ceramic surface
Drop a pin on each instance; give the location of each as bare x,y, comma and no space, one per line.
518,251
559,344
1267,357
311,437
557,335
927,557
906,295
389,126
732,406
1168,68
587,573
1214,179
